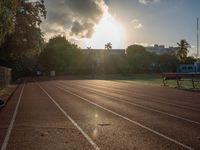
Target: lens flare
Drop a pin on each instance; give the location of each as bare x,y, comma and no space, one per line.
108,30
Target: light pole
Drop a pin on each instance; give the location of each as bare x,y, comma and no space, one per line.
197,37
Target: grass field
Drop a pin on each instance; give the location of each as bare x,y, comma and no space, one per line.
154,79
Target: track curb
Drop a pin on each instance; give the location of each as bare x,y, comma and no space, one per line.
7,99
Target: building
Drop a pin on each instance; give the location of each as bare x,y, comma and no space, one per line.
160,49
100,52
189,68
99,55
186,68
197,65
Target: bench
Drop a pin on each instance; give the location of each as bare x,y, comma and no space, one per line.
180,77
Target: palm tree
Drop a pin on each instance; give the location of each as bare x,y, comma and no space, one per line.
108,46
89,47
183,50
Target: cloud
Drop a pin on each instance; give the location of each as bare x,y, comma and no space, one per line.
148,1
74,18
136,24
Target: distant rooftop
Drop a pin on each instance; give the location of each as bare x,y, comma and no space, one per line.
102,51
160,49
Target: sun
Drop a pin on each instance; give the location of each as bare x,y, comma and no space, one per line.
108,30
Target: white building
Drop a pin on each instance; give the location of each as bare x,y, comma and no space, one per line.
160,49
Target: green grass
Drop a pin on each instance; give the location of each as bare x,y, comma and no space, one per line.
151,79
156,79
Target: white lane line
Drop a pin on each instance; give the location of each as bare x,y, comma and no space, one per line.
164,102
152,96
128,119
8,133
73,122
141,106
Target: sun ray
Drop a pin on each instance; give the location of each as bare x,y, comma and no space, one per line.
108,30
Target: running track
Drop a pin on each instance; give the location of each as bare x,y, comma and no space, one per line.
99,114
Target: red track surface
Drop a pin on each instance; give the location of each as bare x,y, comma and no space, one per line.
99,114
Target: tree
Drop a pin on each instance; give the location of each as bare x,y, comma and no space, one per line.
8,10
139,59
131,50
108,46
167,62
183,50
190,60
27,39
89,48
60,55
26,42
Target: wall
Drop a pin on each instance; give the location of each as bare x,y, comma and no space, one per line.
5,77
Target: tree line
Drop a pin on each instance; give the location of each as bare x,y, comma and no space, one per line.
23,48
21,39
65,57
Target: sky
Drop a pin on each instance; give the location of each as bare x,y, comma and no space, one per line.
93,23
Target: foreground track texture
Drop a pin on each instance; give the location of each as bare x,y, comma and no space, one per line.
99,114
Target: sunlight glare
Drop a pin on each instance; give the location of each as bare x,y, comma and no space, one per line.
108,30
96,115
